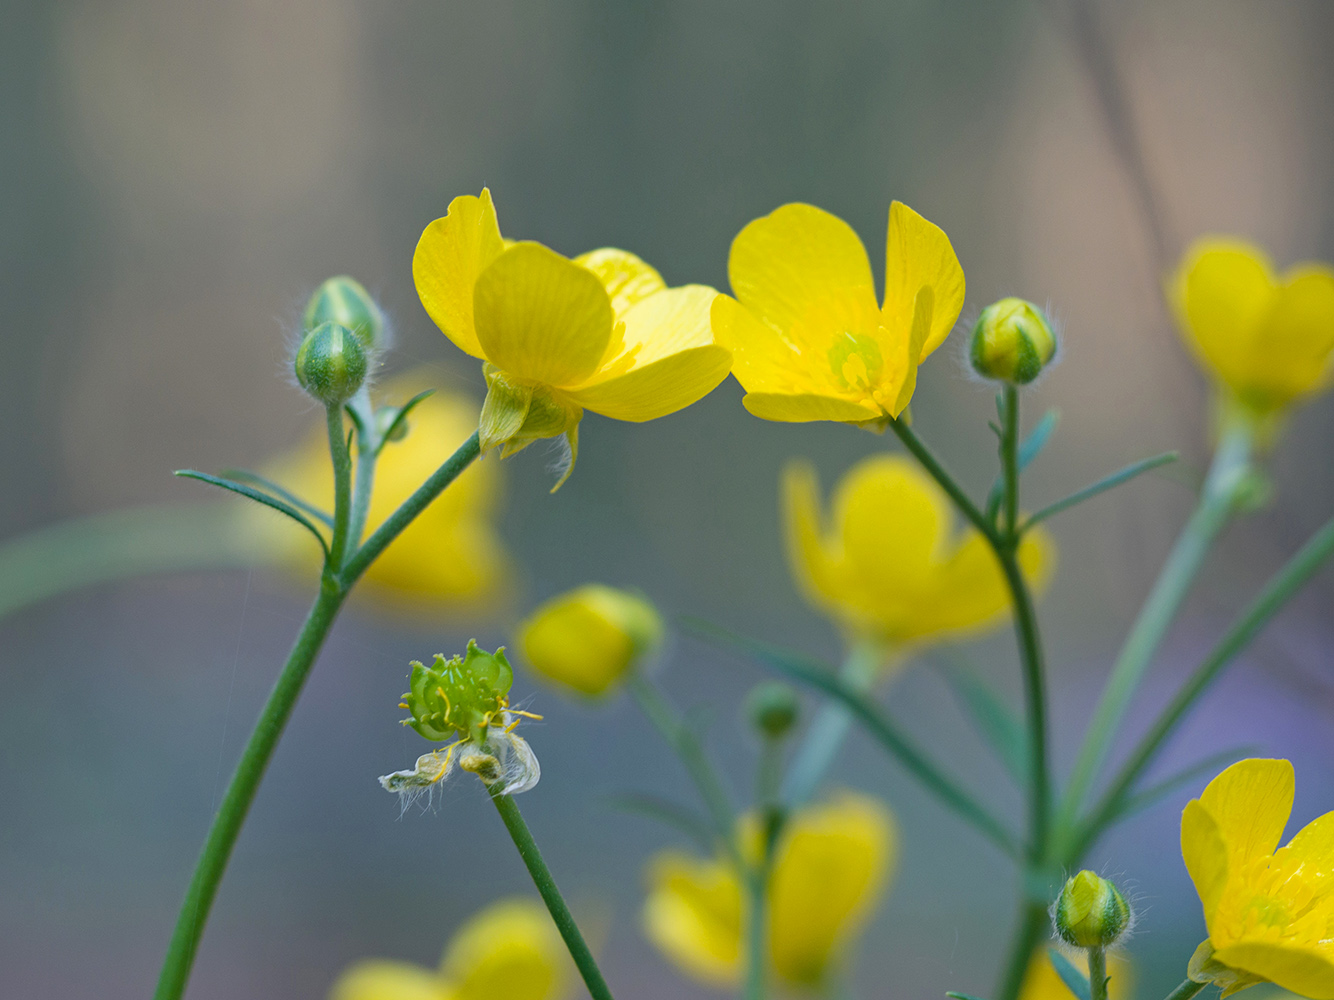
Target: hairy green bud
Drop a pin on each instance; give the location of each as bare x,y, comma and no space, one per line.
772,709
1012,342
1090,912
345,301
331,363
459,697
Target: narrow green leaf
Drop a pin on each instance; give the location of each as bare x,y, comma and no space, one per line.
282,506
1077,981
255,479
995,723
402,415
1132,804
669,813
961,996
1102,486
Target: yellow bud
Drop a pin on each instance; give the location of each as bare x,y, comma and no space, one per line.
330,364
1090,912
1012,341
344,301
588,638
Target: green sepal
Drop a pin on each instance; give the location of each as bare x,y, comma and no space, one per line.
1204,968
505,409
460,696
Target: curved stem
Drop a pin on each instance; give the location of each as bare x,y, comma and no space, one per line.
546,887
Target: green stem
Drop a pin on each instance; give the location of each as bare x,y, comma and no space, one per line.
768,782
1217,502
1009,449
1097,974
1186,990
342,468
1028,932
241,793
546,887
684,742
368,450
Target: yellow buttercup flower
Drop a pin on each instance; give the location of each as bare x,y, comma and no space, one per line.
831,866
1043,982
601,332
587,639
450,557
809,340
511,949
1268,340
886,561
1269,910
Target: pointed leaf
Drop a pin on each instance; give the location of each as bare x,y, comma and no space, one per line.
1076,980
960,996
279,505
1029,449
255,479
1102,486
401,416
995,723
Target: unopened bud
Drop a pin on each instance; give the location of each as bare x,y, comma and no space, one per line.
345,301
772,708
331,364
1012,341
1090,912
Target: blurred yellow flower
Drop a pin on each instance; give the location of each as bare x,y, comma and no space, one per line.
808,339
831,866
1043,982
450,557
511,949
586,639
1270,913
601,332
886,561
1267,340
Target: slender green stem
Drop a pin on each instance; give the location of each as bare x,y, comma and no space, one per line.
1027,933
1217,502
1097,974
368,450
342,468
1277,592
241,793
1186,990
546,887
938,472
1009,450
767,790
686,745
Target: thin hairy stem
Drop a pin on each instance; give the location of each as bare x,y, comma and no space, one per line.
368,450
342,467
1097,974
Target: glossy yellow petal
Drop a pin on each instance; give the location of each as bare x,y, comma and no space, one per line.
919,255
761,361
1295,336
541,317
893,521
1251,801
589,637
380,979
450,255
1312,852
1220,292
831,868
1206,856
802,408
693,915
511,949
626,278
1307,971
912,353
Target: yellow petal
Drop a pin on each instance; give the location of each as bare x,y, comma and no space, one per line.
919,255
511,949
588,638
893,521
831,867
762,361
1251,801
379,979
1220,292
1206,856
800,268
913,350
693,915
626,278
1295,336
1308,972
450,255
804,407
1311,852
819,567
541,317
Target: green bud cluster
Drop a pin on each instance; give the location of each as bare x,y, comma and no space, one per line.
1090,912
1012,342
772,708
331,364
458,697
345,301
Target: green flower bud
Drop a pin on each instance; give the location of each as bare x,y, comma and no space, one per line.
772,708
1012,341
459,697
331,364
344,301
1090,912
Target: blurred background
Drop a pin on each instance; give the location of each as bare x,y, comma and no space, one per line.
176,179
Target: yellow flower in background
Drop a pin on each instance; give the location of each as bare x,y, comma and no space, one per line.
831,866
1269,910
511,949
1043,982
886,561
601,332
1266,339
588,638
809,340
450,557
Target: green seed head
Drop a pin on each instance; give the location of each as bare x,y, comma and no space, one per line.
772,708
345,301
1012,342
460,697
331,364
1090,912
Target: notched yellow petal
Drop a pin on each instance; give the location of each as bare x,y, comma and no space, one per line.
450,255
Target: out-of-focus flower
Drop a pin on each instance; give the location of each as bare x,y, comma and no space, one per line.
886,561
831,866
1269,910
511,949
808,339
450,558
1267,340
1043,982
588,638
601,332
1012,341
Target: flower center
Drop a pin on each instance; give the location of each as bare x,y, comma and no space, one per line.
855,361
